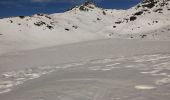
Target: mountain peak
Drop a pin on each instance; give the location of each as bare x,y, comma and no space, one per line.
154,3
87,3
85,6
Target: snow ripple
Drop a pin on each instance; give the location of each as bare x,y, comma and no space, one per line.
157,65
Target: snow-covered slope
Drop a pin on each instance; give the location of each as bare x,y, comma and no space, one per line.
41,30
149,19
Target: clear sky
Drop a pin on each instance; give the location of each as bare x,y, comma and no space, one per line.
28,7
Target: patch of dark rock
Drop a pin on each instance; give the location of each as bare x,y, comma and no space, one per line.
138,6
19,23
149,3
98,19
158,10
83,8
118,22
48,17
114,26
155,21
132,18
91,7
145,10
75,26
163,4
40,14
143,35
67,29
40,23
104,13
1,34
22,17
87,3
49,27
138,13
11,21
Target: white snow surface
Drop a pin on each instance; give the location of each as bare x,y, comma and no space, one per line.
125,54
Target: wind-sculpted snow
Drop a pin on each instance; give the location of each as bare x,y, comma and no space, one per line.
14,78
103,81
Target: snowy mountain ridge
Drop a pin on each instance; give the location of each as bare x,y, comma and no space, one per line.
148,19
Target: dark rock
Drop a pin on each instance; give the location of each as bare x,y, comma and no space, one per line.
155,21
67,29
98,19
11,21
114,26
138,13
87,3
138,6
118,22
104,13
149,3
50,27
132,18
83,8
22,17
75,26
143,36
145,10
158,10
48,17
40,23
91,7
40,14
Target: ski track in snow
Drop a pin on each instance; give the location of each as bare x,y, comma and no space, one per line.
157,65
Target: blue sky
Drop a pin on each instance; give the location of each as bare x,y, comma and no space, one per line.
28,7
